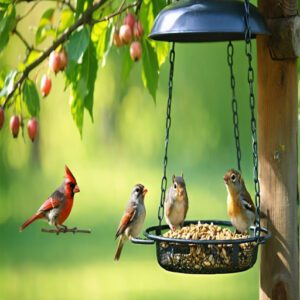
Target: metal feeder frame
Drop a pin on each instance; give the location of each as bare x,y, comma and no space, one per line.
195,21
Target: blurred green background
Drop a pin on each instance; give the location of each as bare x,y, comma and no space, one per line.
124,146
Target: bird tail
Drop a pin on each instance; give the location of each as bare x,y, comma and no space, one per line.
30,220
119,248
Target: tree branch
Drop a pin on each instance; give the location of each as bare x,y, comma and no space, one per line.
120,10
28,12
84,19
69,4
20,36
62,230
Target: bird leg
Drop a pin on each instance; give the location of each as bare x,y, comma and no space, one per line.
64,228
61,228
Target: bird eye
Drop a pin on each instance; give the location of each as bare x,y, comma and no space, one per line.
137,190
233,177
175,185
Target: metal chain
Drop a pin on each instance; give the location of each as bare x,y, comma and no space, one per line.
248,49
168,125
234,106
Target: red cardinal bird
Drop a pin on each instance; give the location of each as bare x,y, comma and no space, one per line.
58,206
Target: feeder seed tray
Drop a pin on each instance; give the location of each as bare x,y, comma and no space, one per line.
206,247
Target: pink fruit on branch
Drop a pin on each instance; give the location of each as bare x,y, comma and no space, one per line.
63,59
125,34
14,125
135,51
45,85
129,20
138,29
32,128
116,39
2,117
54,62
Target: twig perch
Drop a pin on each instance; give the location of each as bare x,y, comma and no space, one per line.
63,230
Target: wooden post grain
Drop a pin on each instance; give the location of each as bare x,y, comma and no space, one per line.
277,128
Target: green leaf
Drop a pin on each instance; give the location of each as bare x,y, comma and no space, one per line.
150,68
45,26
71,72
31,97
77,102
75,49
34,55
158,6
7,22
147,17
66,20
108,43
8,83
127,64
82,5
79,8
162,51
89,75
99,38
77,44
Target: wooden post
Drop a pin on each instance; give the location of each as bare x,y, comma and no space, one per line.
277,132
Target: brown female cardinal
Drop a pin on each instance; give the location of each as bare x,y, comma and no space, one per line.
240,206
58,206
133,218
176,203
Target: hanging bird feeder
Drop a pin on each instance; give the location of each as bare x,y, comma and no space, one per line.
221,251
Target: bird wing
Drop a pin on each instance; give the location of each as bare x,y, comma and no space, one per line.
168,207
247,202
126,219
50,203
168,204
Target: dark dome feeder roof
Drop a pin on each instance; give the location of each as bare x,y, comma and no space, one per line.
206,21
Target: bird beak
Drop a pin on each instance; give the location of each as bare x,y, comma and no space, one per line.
145,191
76,189
226,179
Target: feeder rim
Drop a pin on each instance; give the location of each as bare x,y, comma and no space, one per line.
151,238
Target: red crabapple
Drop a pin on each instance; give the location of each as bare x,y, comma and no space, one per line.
129,20
63,59
45,85
14,125
116,39
125,34
138,29
135,51
32,128
54,61
2,117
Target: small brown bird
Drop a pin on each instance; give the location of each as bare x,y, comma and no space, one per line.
176,203
240,206
133,218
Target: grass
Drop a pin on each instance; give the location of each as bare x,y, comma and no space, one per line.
73,274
